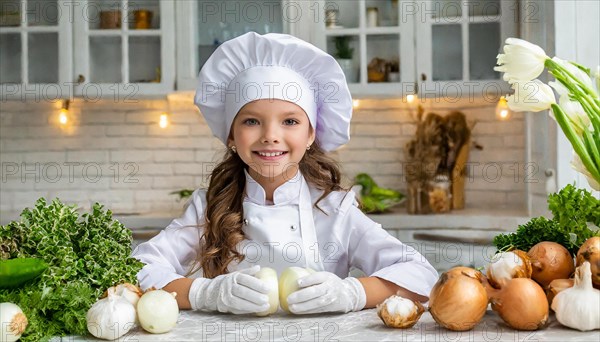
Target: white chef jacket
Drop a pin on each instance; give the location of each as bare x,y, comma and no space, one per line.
346,238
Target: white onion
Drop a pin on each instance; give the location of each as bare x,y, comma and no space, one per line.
13,322
269,276
288,283
158,311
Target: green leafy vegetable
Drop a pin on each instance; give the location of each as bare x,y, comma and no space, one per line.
85,256
374,198
576,212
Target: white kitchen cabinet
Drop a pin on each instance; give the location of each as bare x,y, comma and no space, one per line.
86,48
120,54
35,42
446,48
457,44
203,25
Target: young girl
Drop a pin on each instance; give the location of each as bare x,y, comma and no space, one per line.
278,103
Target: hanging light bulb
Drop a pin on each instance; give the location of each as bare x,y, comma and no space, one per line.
63,115
164,120
411,98
355,103
503,113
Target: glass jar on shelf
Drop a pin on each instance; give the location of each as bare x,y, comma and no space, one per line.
440,196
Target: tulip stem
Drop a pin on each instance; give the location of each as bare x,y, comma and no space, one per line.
578,144
552,65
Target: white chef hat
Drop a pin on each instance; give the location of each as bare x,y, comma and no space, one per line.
275,66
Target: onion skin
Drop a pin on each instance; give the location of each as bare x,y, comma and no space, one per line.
590,251
556,286
458,300
521,304
550,261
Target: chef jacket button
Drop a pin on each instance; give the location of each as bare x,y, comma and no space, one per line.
293,227
245,222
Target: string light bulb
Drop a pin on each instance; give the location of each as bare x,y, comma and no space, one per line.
355,103
503,113
164,120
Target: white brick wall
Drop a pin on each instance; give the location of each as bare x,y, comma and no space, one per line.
115,153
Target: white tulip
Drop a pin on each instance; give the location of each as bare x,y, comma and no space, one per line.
577,164
521,61
532,96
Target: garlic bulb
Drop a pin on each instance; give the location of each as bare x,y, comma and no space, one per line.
13,322
505,266
399,312
269,276
111,317
578,307
158,311
129,291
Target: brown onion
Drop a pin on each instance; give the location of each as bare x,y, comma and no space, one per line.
556,286
521,304
549,261
458,300
590,251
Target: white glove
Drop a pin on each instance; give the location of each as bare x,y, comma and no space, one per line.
326,292
238,292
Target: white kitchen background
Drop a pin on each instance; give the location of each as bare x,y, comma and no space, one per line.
116,153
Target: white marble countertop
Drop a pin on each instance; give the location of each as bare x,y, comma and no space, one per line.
358,326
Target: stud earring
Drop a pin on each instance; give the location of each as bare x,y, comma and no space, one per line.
233,149
307,147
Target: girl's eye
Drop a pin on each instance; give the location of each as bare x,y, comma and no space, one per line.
250,122
290,122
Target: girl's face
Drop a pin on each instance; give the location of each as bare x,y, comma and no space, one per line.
271,137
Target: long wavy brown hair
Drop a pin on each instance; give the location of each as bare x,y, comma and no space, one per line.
224,214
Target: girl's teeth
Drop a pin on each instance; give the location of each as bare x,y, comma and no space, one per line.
272,154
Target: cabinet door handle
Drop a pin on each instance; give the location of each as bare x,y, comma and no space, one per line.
423,77
80,79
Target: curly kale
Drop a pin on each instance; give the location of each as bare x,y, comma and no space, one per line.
85,255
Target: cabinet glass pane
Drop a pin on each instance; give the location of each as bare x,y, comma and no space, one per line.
341,14
484,46
443,8
345,49
103,14
381,13
447,55
43,12
143,14
144,59
487,8
219,21
383,60
10,13
105,60
10,58
43,57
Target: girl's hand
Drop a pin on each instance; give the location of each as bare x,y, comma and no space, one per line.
326,292
238,292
